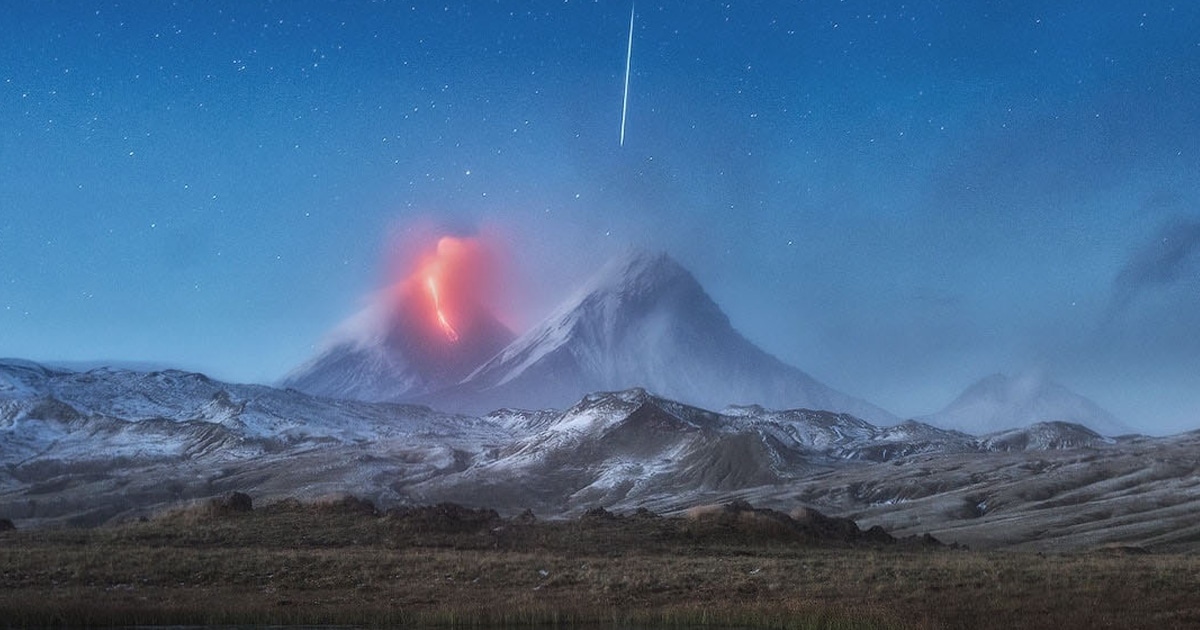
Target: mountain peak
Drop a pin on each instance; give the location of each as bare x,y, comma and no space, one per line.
637,275
639,269
643,321
1022,386
1000,402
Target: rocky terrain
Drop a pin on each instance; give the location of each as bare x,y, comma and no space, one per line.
240,561
108,445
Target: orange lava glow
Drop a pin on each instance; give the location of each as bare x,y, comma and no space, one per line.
444,288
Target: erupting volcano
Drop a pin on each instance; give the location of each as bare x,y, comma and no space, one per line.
642,321
427,331
440,320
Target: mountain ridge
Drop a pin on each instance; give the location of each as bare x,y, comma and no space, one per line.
89,447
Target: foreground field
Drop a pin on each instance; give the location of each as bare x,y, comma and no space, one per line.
342,563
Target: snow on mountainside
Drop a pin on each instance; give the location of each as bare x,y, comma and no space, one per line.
95,406
632,447
1044,436
643,321
86,447
999,402
358,364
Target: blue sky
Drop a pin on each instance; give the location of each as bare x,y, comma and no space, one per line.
899,198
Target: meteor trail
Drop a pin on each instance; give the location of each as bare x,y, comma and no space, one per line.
628,59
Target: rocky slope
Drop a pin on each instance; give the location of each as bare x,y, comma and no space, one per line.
90,447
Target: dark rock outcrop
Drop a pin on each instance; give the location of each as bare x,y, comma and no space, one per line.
234,502
445,518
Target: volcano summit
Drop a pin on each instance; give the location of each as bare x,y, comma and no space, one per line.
425,333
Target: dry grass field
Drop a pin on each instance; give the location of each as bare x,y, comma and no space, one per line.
339,562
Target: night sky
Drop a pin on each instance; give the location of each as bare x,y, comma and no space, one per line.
899,198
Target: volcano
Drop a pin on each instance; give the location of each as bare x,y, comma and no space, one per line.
643,321
425,333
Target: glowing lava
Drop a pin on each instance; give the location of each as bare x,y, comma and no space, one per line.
447,328
438,320
441,299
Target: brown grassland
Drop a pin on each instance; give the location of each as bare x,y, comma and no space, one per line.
340,562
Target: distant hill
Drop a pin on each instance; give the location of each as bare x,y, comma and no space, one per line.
999,402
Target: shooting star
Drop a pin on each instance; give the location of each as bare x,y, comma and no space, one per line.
628,60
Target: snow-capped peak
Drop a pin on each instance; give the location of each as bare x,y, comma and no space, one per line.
638,272
643,321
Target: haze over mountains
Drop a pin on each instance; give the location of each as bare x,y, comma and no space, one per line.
999,402
641,321
571,415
